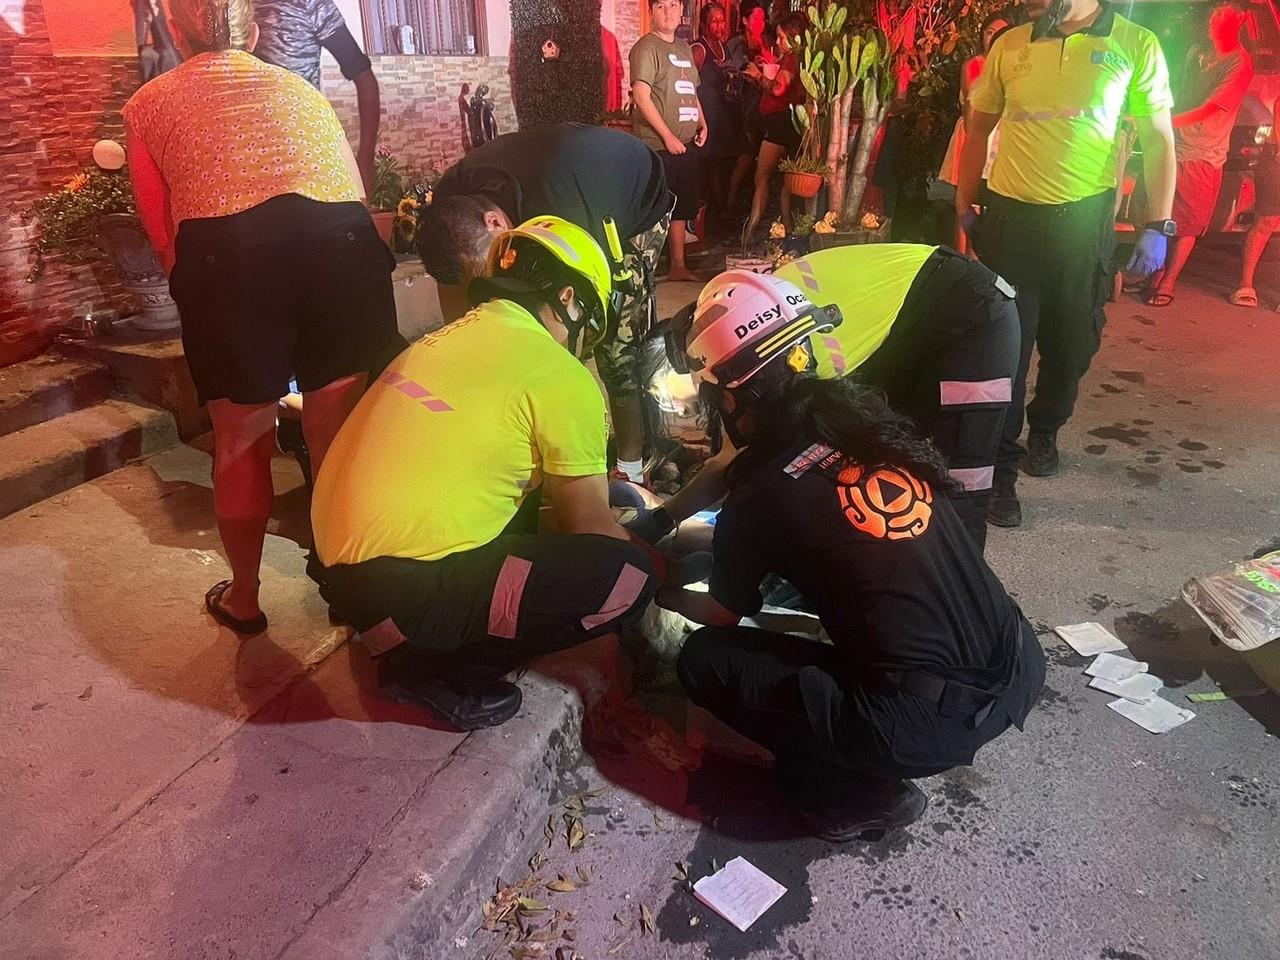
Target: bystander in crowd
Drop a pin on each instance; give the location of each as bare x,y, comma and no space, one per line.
292,34
719,90
275,265
778,78
992,27
669,118
1216,78
1266,215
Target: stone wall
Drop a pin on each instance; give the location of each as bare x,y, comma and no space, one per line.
52,110
420,120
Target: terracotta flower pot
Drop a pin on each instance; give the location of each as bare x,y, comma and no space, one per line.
803,184
121,237
384,221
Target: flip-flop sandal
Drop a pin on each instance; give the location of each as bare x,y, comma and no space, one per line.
1158,299
1244,297
213,603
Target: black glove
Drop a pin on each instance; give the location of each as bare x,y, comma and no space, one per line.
651,526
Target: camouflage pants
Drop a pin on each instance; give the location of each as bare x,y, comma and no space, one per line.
616,358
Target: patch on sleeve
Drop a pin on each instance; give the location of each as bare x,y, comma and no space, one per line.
816,455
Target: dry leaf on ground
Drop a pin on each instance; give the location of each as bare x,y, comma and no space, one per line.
562,885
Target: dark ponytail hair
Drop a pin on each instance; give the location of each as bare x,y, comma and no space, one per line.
846,416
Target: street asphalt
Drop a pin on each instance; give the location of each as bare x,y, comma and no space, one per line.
1082,837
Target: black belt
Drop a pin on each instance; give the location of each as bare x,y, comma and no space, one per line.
955,699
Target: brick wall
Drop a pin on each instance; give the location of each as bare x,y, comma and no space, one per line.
52,110
420,103
626,18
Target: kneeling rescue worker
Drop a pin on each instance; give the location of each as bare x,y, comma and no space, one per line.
937,332
839,495
425,511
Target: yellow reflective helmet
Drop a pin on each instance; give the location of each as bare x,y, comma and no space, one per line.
551,250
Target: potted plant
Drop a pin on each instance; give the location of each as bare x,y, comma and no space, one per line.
94,211
419,188
388,191
785,247
804,174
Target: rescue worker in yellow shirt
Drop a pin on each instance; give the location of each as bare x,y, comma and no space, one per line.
1060,87
936,332
425,509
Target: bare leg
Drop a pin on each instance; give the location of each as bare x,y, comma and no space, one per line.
325,410
675,246
244,436
766,163
1255,241
1179,252
785,201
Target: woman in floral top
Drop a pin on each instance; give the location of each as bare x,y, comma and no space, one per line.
248,189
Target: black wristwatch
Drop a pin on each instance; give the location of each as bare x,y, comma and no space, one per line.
663,520
1167,227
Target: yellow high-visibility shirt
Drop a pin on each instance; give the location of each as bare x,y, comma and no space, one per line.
439,453
869,283
1061,100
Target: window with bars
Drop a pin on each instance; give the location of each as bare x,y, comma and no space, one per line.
423,27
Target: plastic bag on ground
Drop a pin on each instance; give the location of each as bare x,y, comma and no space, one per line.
1241,605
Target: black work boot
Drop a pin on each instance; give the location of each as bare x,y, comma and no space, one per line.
873,808
473,707
1004,510
1042,453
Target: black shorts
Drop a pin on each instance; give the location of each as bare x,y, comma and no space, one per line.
1266,181
779,130
684,179
291,287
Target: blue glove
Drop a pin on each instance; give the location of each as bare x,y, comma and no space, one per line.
1148,256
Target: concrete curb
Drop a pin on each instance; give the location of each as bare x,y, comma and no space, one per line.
424,879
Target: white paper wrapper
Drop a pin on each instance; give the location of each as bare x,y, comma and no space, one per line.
739,892
1156,715
1089,639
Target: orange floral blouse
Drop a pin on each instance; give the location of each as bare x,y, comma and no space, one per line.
229,132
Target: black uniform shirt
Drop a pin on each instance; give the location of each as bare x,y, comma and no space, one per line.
879,553
570,170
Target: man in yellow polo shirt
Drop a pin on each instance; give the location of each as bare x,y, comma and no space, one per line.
1060,87
936,331
425,510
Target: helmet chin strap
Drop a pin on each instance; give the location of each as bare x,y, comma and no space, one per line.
761,389
574,327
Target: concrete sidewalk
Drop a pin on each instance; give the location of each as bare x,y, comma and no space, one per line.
174,791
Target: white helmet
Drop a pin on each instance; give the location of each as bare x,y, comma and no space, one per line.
743,320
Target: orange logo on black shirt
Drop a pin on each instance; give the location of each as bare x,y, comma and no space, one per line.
885,503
